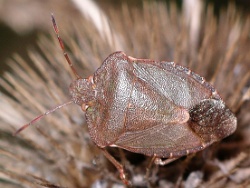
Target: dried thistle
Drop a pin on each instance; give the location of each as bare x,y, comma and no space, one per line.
57,151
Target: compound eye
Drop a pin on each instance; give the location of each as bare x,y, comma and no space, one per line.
84,107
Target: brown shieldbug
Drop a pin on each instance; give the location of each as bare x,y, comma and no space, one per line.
158,109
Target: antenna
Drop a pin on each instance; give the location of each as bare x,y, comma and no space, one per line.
41,116
72,68
63,48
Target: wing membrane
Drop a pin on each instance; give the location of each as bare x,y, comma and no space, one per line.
161,140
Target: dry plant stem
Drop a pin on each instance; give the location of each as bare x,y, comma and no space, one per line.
44,183
155,32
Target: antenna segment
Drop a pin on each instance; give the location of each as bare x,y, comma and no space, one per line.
63,48
41,116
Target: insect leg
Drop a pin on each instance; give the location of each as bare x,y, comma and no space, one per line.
161,162
149,167
117,165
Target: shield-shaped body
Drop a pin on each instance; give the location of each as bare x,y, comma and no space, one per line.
154,108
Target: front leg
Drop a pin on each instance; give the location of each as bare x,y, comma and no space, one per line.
118,165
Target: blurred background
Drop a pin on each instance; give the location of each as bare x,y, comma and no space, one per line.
22,21
210,37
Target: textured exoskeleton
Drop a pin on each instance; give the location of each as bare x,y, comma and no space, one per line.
158,109
153,108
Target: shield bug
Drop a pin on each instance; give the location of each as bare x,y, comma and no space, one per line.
158,109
